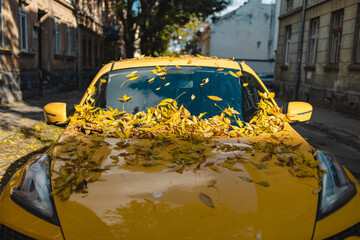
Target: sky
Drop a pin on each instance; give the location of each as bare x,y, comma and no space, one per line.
237,3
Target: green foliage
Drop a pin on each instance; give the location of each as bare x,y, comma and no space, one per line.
155,21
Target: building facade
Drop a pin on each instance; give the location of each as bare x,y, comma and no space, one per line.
329,71
57,44
247,33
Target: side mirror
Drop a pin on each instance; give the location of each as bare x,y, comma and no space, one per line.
299,111
55,113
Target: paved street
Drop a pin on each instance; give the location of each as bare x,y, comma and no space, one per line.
336,133
348,155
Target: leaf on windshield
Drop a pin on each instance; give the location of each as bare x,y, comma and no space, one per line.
220,69
271,95
192,97
103,80
215,98
124,99
239,73
151,80
245,84
205,199
233,74
133,78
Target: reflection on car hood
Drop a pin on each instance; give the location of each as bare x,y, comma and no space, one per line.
137,202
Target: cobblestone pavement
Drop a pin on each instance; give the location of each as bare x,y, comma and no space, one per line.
23,130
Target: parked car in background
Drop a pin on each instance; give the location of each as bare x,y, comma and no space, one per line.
180,148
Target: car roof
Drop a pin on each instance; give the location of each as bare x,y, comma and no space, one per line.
173,61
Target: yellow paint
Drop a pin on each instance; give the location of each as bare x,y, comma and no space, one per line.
55,113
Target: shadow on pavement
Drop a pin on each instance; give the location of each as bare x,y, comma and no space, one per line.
28,111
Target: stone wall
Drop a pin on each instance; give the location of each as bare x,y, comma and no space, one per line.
321,83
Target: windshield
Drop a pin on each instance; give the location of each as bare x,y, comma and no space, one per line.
190,86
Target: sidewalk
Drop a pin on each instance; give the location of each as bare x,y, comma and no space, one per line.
344,128
23,130
29,112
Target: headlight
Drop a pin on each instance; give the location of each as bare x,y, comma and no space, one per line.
33,191
337,188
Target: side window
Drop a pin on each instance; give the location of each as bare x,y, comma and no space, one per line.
250,96
100,91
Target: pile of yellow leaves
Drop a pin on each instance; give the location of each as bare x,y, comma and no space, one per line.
167,119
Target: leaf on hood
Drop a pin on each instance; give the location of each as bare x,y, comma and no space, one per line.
264,184
246,179
267,157
317,190
205,199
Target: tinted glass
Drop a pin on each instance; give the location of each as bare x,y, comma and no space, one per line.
188,85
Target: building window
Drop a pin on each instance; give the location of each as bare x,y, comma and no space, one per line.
68,39
57,36
313,41
357,57
336,29
96,54
23,29
90,54
357,37
1,26
289,5
287,44
84,55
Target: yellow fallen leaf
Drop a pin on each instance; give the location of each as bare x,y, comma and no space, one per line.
215,98
192,97
271,95
167,84
158,88
233,74
245,84
151,80
133,78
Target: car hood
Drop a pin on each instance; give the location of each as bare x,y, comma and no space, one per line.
218,202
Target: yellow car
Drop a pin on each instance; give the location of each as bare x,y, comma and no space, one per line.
180,148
